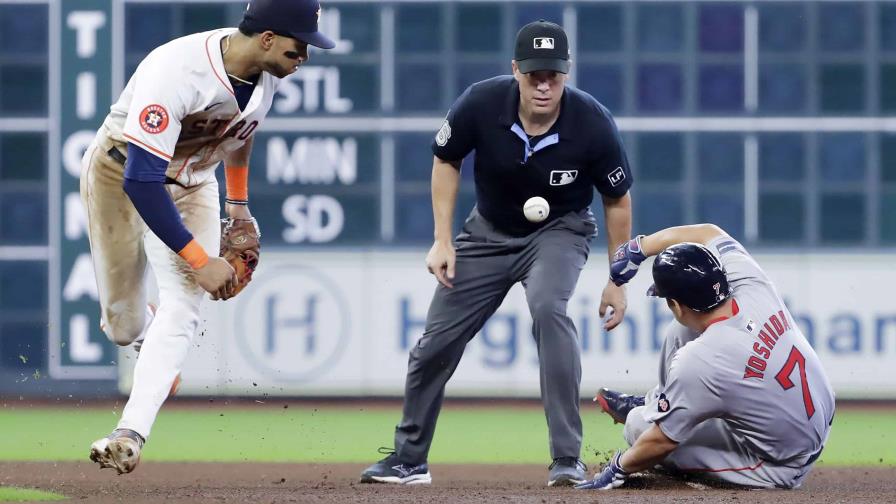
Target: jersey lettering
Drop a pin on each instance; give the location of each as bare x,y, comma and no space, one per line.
779,327
768,337
248,131
204,127
197,127
768,340
756,363
784,320
749,373
235,129
762,351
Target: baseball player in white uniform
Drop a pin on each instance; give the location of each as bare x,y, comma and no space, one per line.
742,396
148,185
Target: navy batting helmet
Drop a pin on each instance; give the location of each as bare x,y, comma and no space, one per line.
291,18
690,274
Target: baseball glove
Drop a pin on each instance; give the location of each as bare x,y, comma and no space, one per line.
240,246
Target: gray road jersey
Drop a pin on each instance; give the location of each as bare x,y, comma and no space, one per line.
755,370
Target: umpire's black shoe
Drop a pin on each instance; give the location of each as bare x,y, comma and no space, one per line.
617,405
392,470
567,471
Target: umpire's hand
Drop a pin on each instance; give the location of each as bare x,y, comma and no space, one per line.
613,297
440,262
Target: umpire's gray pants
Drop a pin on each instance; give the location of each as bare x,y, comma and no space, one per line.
489,263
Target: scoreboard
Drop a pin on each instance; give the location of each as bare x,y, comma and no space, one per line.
323,170
773,119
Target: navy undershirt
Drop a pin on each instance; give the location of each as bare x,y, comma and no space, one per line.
243,93
144,183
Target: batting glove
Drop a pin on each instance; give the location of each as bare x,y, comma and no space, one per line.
611,477
626,260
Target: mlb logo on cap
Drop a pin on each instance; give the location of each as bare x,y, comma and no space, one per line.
542,45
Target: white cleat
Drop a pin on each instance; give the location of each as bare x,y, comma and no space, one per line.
120,451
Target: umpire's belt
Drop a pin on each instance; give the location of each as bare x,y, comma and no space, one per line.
122,159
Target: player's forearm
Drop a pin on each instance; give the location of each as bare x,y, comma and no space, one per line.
157,209
445,184
650,449
236,175
698,233
240,157
618,218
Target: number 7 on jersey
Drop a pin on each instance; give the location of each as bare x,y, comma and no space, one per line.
796,358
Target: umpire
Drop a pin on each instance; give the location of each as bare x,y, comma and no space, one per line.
533,136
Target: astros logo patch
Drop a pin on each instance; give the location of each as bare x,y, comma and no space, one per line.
154,119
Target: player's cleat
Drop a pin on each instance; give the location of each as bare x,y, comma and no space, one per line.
567,471
119,450
616,404
392,470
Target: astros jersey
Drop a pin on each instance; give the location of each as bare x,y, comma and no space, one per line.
180,106
754,370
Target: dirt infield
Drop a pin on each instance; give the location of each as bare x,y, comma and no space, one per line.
263,483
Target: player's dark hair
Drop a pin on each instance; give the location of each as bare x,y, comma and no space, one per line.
245,30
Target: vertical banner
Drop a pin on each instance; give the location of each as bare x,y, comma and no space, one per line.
78,349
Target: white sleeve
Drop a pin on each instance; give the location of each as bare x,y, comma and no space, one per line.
162,97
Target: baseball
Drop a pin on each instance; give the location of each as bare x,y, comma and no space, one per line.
536,209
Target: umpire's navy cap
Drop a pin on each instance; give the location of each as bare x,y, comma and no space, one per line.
290,18
690,274
542,45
